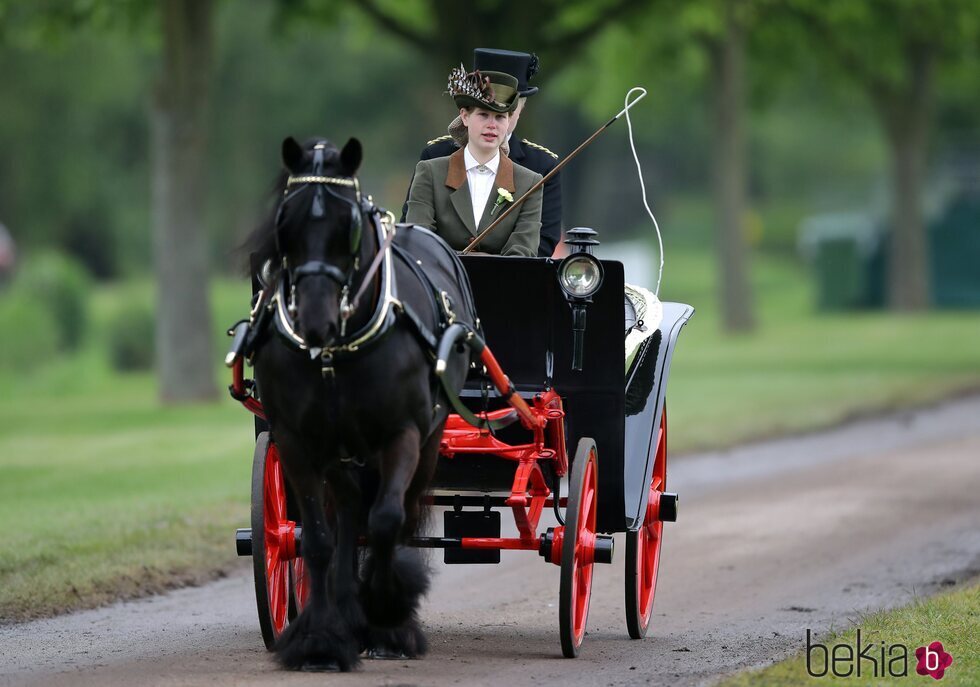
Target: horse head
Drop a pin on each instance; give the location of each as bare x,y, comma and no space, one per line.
319,226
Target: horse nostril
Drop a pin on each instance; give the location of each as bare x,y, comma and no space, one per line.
317,337
313,338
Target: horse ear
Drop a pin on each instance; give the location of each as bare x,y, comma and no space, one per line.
350,157
292,155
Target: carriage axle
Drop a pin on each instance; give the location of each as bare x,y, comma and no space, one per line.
661,506
599,551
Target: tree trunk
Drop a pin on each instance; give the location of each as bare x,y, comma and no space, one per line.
185,357
728,79
906,119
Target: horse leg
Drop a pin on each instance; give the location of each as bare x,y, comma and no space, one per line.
407,640
322,637
394,576
343,567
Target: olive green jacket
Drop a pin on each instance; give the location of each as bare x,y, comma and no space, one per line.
440,200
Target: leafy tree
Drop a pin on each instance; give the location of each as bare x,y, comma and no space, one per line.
892,49
447,31
726,51
706,41
73,140
179,135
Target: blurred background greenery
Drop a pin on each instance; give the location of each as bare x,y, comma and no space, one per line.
814,165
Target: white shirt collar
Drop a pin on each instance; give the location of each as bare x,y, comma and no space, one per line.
471,162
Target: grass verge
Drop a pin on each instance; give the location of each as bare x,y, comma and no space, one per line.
800,370
951,618
106,493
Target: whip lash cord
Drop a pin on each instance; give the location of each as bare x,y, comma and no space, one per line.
639,172
513,206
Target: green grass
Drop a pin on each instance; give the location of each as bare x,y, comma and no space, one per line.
800,370
951,618
105,493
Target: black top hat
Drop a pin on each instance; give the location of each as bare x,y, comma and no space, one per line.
521,65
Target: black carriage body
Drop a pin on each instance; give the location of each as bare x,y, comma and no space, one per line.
646,397
528,324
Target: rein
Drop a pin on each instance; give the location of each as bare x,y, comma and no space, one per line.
389,219
281,302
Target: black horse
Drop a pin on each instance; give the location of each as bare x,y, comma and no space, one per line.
352,399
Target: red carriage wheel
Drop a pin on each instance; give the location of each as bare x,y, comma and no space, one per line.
643,546
578,549
273,544
300,585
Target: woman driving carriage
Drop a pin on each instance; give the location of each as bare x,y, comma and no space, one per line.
459,196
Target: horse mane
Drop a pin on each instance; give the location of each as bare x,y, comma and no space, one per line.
261,241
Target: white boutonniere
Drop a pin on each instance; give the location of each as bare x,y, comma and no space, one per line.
503,196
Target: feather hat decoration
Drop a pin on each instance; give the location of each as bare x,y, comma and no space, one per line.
533,67
489,90
473,84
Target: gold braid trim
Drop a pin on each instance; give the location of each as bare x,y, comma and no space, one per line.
539,147
438,140
309,179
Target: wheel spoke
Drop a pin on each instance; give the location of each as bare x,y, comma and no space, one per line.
577,554
643,545
280,604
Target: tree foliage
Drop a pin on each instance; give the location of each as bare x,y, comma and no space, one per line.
49,23
893,50
447,31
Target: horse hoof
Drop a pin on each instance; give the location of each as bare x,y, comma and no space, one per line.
383,654
396,644
320,667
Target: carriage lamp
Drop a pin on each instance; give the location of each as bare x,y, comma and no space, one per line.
580,276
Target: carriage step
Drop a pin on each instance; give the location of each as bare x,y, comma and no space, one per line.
668,507
478,524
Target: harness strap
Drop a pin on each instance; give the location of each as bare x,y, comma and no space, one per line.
247,334
455,335
318,268
373,267
439,306
424,334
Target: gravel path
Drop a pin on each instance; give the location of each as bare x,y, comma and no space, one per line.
772,539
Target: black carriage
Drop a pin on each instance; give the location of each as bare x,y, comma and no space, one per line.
570,405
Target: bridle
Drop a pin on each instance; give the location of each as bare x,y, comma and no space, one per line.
276,301
378,220
323,185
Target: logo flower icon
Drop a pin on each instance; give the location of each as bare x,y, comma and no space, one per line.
503,196
933,660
